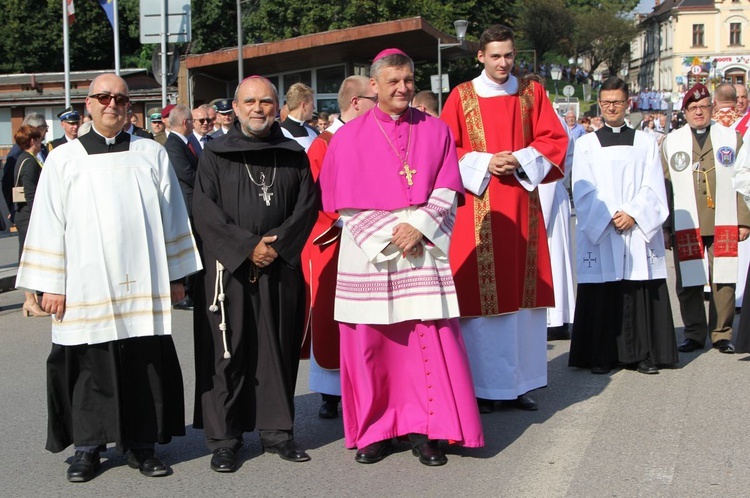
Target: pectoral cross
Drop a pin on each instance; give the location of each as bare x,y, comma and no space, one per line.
127,282
408,173
266,194
651,256
588,259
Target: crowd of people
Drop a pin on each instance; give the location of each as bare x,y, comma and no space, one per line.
421,262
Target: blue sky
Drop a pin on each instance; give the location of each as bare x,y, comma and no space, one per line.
645,6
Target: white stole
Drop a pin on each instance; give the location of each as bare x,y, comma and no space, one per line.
692,270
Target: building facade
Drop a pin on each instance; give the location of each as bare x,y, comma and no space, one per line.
683,42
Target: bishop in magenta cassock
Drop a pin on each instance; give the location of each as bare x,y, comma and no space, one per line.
393,177
509,140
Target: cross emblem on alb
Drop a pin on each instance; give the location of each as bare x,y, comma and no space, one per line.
266,194
127,282
408,173
588,259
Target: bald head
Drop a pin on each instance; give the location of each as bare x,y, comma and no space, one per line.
108,104
741,98
725,96
256,102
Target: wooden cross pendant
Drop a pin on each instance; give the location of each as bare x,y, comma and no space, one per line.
408,173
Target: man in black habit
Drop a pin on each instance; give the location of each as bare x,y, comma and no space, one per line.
254,206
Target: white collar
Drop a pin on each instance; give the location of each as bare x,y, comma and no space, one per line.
107,140
486,87
615,129
182,137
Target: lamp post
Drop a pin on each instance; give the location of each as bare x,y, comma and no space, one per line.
556,73
460,26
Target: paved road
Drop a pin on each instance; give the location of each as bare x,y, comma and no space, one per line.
682,433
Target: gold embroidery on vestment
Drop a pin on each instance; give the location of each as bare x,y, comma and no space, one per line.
526,97
482,214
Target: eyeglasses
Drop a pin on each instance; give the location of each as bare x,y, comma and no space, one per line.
615,103
373,99
105,98
204,120
694,108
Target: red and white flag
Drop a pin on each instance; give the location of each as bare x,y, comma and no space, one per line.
71,12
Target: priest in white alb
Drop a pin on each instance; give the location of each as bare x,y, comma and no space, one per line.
623,314
108,244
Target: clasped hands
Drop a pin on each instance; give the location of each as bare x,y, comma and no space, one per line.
263,254
408,239
622,221
503,163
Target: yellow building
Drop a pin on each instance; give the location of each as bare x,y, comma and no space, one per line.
683,42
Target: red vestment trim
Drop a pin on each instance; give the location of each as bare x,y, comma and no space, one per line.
726,239
689,244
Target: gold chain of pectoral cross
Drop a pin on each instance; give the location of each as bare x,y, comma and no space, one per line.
407,171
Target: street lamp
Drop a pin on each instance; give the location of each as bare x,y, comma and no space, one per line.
460,26
556,73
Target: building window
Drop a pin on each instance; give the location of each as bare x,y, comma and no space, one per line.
735,33
698,35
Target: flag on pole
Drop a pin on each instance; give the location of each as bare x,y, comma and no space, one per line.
71,12
109,10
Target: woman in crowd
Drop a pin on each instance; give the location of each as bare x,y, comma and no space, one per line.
27,171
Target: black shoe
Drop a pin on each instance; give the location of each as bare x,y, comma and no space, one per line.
647,367
561,333
147,463
224,460
429,453
288,450
186,305
375,452
601,370
523,402
84,466
328,410
689,345
724,346
485,405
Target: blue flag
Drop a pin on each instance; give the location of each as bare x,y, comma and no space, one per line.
109,10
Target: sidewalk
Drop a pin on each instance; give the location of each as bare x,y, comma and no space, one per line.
8,260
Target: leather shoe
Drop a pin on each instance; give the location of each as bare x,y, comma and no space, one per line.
523,402
689,345
561,333
724,346
647,367
485,405
375,452
429,453
288,450
147,463
224,460
84,466
186,305
601,370
328,410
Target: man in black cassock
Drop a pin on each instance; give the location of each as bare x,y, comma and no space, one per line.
254,205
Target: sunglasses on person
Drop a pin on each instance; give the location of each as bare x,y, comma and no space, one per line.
105,98
205,120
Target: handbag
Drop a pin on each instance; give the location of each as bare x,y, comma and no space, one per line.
19,197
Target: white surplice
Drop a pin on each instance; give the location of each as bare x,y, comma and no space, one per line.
611,179
110,231
377,285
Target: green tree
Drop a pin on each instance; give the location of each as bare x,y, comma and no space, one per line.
547,25
605,37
